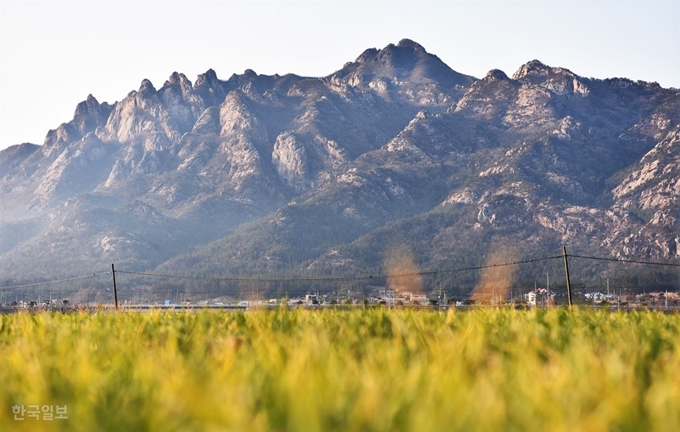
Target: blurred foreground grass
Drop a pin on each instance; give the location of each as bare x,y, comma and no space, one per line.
363,370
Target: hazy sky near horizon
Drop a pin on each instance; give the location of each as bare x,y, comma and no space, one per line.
54,53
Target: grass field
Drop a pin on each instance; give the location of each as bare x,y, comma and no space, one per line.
363,370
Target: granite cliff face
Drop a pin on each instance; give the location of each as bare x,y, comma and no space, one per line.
290,174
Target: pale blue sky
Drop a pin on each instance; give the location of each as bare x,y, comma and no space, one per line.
53,54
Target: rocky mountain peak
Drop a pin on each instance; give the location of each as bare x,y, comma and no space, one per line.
146,88
13,156
489,97
209,78
395,67
248,76
534,67
87,107
89,114
177,79
558,80
366,56
496,74
404,55
210,88
411,45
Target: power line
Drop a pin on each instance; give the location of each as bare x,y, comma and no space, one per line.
338,279
252,279
626,261
56,281
346,278
427,273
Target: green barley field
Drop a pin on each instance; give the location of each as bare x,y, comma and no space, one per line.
339,370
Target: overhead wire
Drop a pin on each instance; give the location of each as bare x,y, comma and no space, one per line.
55,281
340,278
621,260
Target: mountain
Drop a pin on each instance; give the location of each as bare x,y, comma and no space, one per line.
395,153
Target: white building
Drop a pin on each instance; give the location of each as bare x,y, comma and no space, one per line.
598,297
539,296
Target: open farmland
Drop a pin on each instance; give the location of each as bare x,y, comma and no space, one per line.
361,370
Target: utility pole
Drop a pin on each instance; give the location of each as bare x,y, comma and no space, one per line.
607,288
115,290
566,270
